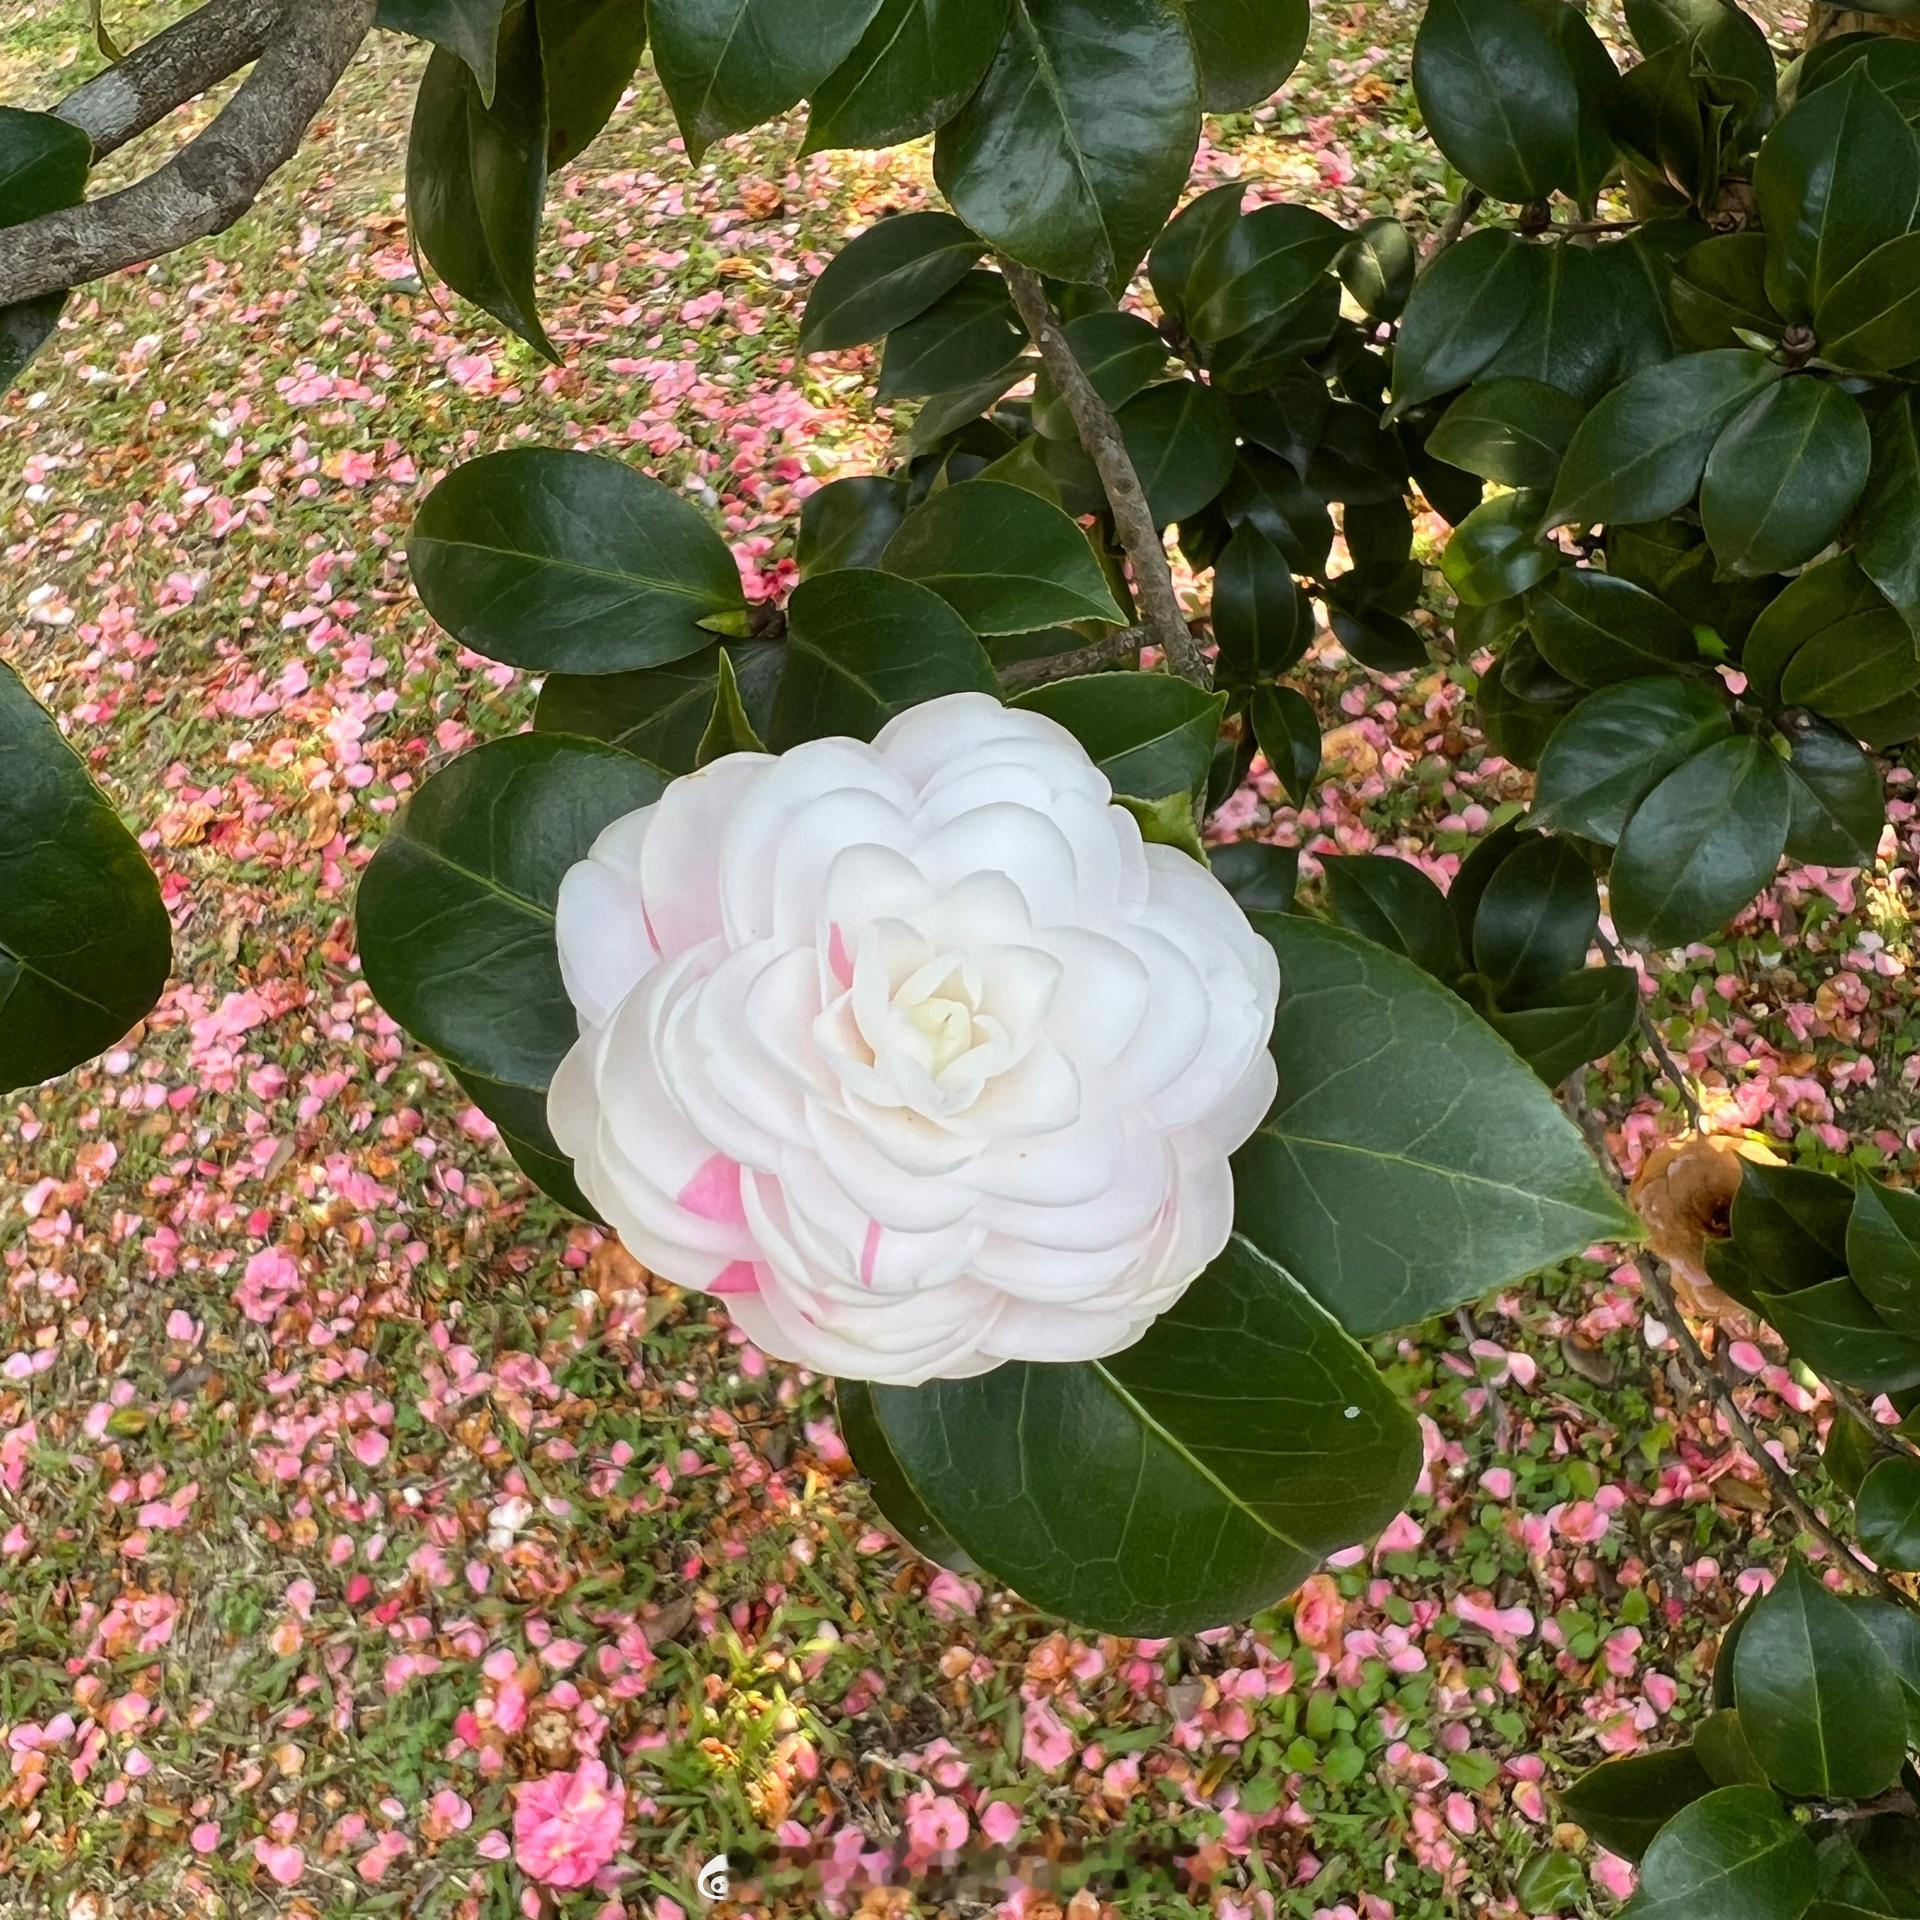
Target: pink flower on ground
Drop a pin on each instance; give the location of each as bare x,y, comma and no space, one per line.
1319,1614
1613,1875
566,1827
938,1824
284,1865
1046,1744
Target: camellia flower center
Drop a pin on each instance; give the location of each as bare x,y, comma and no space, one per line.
939,1003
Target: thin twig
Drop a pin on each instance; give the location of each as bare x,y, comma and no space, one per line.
161,75
1118,649
1456,222
213,179
1164,624
1707,1376
1650,1033
1852,1405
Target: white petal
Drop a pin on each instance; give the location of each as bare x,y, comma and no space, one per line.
680,855
605,942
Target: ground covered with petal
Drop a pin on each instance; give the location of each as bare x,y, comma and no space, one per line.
373,1540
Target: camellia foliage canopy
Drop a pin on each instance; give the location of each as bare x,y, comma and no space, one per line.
1656,371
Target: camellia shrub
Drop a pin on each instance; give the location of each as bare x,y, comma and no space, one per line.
861,959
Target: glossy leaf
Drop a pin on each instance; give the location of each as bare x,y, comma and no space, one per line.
1790,1223
948,414
1720,290
847,523
1597,629
43,167
1077,144
1185,1483
1640,453
729,729
1393,904
1247,48
1888,1513
1582,1016
1186,240
1569,336
477,177
1883,1252
1818,1700
1248,361
1003,559
1718,38
1496,551
1498,95
963,339
1869,321
1180,438
589,51
728,65
1288,730
885,277
1624,1803
1377,267
1263,263
1784,476
1119,352
1394,1210
1825,596
1838,803
1536,919
864,646
1701,845
913,69
1733,1854
85,943
1150,733
1462,311
1267,493
1853,666
1838,177
1886,533
1260,875
572,563
455,915
1834,1330
906,1513
660,713
1260,619
469,28
1513,431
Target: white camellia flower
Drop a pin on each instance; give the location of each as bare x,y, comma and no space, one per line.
914,1052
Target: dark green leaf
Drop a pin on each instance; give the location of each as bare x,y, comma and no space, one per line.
1897,1628
1288,731
85,942
1569,336
520,1115
1550,1882
893,1493
1869,321
589,50
731,64
1119,352
571,563
477,177
1578,1018
1833,1328
1483,860
660,713
1356,459
1839,805
1513,431
1246,48
1784,476
848,523
1834,592
1838,177
1462,311
914,68
1468,1178
1536,920
1640,453
1379,640
1720,291
947,414
1267,493
469,28
1664,115
1722,1748
1150,733
729,730
885,277
1261,265
1003,559
1522,700
1886,535
1596,83
455,914
1618,745
1261,876
1888,1513
1856,1885
43,167
1496,551
1377,267
963,339
1181,440
1790,1223
1718,39
1498,95
1624,1803
1075,148
1701,845
1818,1700
1883,1252
1260,618
1892,65
1597,629
1853,666
1393,904
1187,239
862,647
1733,1854
1185,1483
1265,353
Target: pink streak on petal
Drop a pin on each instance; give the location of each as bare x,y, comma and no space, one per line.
870,1253
837,957
741,1277
714,1192
646,920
